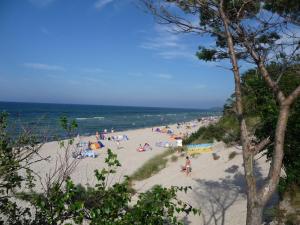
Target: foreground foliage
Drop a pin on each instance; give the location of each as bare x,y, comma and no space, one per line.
62,202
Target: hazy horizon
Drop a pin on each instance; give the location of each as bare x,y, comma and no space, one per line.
136,106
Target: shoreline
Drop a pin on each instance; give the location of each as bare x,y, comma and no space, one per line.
127,154
148,127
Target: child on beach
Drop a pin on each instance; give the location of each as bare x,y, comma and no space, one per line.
97,136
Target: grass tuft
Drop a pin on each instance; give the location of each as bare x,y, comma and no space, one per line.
152,166
232,155
174,158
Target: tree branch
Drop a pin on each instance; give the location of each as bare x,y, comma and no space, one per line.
261,145
292,97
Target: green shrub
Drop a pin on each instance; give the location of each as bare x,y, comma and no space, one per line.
226,130
152,166
232,155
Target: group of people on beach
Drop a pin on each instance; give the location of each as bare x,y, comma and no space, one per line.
144,148
102,136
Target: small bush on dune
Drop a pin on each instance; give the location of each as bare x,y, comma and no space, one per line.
182,154
174,158
232,155
226,130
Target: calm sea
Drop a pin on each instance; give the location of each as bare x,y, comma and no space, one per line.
43,118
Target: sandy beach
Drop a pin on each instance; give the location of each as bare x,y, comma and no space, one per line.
218,187
127,153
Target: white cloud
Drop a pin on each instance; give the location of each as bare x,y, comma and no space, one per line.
93,70
99,4
164,76
151,75
41,3
173,54
167,44
163,39
41,66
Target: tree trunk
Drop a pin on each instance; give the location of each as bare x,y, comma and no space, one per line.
276,164
254,210
254,213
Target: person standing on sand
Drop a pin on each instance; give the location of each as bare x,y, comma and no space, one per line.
118,144
97,136
187,166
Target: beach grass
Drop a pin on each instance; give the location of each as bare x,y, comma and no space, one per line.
174,158
152,166
232,155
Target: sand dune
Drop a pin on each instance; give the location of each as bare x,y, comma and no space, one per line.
218,186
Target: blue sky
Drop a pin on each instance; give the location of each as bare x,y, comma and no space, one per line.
106,52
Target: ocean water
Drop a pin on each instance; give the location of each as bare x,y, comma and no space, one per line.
43,119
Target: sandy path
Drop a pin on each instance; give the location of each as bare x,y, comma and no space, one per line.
218,186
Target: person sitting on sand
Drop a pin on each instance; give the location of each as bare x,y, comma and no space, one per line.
147,147
140,148
187,166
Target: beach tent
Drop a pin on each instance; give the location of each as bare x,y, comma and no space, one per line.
96,145
101,144
199,148
157,130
